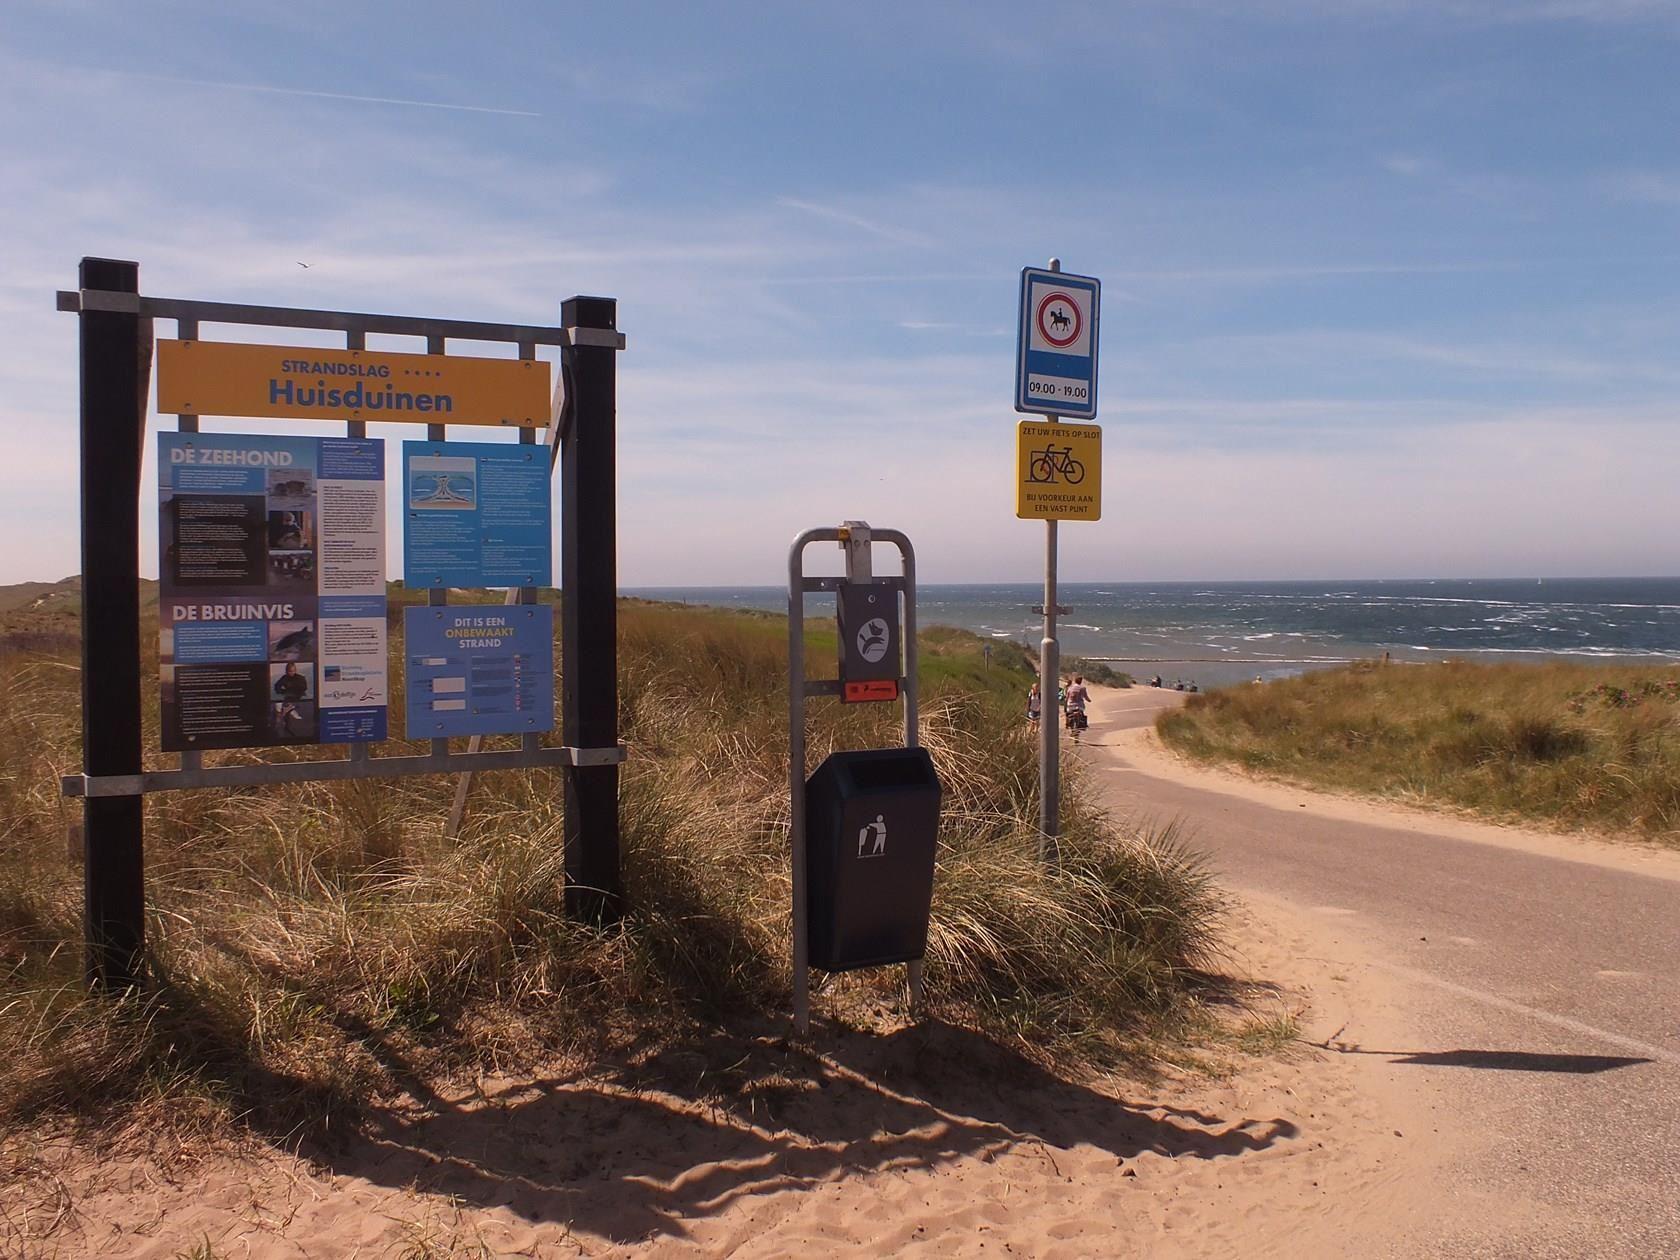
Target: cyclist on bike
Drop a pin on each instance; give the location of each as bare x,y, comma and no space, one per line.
1077,698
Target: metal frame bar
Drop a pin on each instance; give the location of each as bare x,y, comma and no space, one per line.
856,537
93,786
77,301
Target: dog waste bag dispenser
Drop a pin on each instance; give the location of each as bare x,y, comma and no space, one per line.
869,641
871,819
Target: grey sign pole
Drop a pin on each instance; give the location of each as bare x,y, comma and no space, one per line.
856,539
1049,728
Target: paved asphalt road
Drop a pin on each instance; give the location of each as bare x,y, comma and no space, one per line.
1543,994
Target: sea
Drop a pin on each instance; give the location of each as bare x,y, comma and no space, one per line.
1217,633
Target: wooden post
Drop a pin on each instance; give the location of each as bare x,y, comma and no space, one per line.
115,371
589,613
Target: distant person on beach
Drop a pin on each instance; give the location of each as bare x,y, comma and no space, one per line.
1155,681
1035,705
1077,698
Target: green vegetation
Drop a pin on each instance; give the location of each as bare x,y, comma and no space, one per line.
1099,672
319,947
1577,745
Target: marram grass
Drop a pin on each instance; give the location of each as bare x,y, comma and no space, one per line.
1583,746
320,946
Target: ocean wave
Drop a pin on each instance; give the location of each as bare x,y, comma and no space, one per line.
1607,653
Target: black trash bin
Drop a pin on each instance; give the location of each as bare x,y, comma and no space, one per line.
871,822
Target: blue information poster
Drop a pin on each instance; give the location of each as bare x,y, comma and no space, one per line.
271,602
476,514
484,669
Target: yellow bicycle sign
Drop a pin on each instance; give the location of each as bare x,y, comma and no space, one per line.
1058,471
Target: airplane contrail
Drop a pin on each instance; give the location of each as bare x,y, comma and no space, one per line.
330,96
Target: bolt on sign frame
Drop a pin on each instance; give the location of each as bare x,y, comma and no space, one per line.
855,538
116,326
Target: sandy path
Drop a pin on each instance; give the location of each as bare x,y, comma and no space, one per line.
1518,982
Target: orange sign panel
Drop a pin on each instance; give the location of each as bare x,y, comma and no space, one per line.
217,378
879,689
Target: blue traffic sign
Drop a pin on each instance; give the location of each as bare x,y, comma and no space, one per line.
1056,348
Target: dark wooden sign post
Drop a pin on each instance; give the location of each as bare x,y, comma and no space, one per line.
116,366
589,615
116,354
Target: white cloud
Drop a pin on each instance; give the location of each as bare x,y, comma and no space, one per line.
1407,164
278,90
1661,188
886,231
1332,351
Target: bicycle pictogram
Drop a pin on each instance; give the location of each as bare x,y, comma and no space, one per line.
1051,463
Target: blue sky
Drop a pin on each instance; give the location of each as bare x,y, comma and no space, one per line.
1391,287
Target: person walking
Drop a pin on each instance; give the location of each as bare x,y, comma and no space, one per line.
1035,705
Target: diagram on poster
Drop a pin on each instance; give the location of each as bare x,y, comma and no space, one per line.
476,514
271,600
479,669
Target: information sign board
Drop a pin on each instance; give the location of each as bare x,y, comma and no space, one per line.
1058,471
476,514
1056,346
479,669
271,600
213,378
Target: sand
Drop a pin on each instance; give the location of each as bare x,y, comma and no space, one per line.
922,1138
915,1138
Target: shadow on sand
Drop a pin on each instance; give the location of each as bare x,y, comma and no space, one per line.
1499,1060
637,1148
